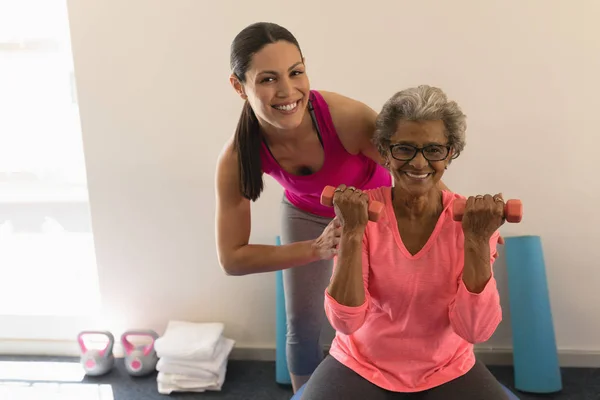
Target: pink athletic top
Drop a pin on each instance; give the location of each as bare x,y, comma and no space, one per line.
339,167
419,322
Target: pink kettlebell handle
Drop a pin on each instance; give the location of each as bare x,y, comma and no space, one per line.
129,347
84,349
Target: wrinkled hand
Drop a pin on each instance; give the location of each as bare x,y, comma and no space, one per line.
326,245
351,207
483,216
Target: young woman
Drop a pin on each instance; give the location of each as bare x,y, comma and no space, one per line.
306,140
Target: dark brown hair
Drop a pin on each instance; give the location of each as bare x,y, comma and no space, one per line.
247,135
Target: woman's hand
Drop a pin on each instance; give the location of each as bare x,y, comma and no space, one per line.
351,207
326,245
483,216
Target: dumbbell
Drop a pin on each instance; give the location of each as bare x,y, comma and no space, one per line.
375,207
96,362
142,359
513,210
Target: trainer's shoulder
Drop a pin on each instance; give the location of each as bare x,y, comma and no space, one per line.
227,157
346,106
331,98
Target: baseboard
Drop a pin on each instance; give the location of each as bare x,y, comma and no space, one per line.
253,353
491,356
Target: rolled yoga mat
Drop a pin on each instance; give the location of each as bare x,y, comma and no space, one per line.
282,374
535,356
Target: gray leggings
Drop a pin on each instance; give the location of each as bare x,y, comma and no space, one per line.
304,288
332,381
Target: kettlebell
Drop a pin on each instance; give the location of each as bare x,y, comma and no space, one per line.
97,362
142,359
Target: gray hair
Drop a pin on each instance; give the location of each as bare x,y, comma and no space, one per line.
422,103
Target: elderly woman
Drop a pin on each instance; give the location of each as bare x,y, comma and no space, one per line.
412,293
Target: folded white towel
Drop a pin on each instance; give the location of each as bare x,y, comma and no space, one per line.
189,340
200,369
165,388
168,383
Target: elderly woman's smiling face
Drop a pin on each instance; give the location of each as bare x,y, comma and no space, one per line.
418,155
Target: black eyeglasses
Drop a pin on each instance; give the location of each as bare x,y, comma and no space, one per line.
432,152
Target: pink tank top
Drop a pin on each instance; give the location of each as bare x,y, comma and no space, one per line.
339,167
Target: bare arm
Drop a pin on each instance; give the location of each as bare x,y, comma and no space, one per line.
346,297
355,124
476,311
347,286
477,270
232,221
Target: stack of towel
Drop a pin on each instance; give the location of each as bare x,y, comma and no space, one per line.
192,357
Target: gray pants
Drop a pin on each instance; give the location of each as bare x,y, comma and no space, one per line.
332,381
304,288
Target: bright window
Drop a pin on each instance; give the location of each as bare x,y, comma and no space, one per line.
47,258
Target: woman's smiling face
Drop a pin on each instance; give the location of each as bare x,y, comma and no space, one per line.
418,155
276,85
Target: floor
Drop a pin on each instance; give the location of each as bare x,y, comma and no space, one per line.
51,378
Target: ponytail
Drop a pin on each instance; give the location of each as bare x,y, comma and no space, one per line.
247,144
248,137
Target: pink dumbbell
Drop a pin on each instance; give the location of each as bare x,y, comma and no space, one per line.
513,210
375,207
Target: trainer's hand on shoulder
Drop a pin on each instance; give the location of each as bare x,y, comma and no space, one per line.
484,215
351,207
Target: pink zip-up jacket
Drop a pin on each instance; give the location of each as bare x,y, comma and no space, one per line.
418,324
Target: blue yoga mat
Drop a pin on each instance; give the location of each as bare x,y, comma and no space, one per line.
282,374
535,355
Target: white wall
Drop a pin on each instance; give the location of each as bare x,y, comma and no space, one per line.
157,107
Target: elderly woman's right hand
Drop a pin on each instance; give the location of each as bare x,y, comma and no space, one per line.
351,207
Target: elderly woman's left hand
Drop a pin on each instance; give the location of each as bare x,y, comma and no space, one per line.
484,214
